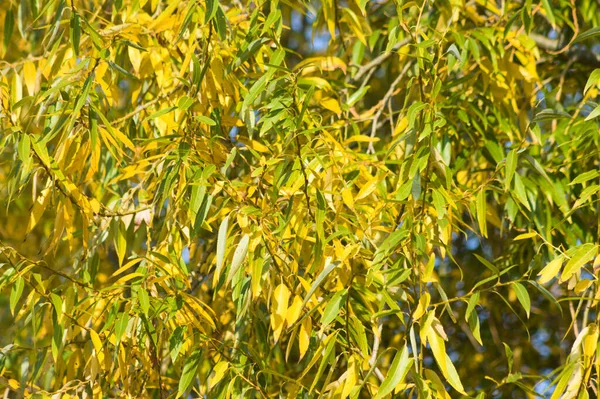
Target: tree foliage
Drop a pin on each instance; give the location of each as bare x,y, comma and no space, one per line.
299,199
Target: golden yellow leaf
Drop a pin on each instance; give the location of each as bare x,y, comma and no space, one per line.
29,75
367,188
331,104
422,306
304,335
97,346
279,306
294,311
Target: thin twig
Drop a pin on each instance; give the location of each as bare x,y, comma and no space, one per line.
384,101
380,59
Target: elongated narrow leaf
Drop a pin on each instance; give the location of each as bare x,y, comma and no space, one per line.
584,254
190,368
279,307
238,256
329,266
551,270
482,212
333,307
511,166
396,374
523,297
221,243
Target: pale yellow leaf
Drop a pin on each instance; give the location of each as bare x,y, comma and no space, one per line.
551,270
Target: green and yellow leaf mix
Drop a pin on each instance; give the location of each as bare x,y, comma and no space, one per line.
337,199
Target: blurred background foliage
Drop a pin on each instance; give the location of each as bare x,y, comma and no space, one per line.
299,199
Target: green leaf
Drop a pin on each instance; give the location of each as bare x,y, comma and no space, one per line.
594,114
121,325
205,119
75,32
144,300
549,13
511,166
15,293
184,103
211,10
121,70
190,369
9,24
550,115
396,374
439,202
509,357
328,268
161,112
357,95
486,263
522,296
583,255
582,178
588,34
592,80
176,341
475,327
520,192
333,307
471,305
453,378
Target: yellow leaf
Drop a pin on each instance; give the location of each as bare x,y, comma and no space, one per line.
135,57
351,378
525,236
128,277
367,188
551,270
38,208
331,104
582,286
126,266
312,64
123,139
361,138
14,384
422,306
279,306
97,346
329,14
347,198
294,311
218,373
591,340
438,348
304,335
258,146
29,75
